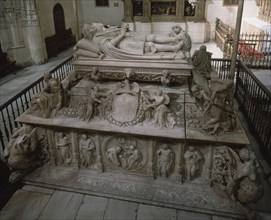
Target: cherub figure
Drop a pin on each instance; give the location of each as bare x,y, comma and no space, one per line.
160,102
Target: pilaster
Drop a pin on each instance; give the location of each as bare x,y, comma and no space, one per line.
32,32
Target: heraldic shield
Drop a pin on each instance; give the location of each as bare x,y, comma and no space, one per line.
124,106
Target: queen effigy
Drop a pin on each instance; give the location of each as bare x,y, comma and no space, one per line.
142,119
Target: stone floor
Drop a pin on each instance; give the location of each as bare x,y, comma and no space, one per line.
41,203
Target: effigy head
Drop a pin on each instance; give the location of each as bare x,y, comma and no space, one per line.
176,28
89,31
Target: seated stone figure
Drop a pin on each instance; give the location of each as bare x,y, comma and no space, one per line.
118,43
183,37
219,112
51,96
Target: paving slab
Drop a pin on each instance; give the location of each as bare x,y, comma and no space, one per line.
215,217
24,205
62,205
148,212
92,208
186,215
120,210
38,189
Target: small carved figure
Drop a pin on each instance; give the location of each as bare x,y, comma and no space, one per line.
183,38
165,78
87,148
218,110
71,80
235,176
133,157
51,97
160,108
165,159
112,155
201,60
248,166
95,75
145,106
92,99
21,153
171,120
63,144
192,159
129,73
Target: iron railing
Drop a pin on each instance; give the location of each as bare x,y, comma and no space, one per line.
255,103
253,98
254,49
10,110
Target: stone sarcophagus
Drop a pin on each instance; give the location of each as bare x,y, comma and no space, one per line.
145,143
136,131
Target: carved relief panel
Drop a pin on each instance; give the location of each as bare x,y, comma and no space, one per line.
63,148
125,153
87,151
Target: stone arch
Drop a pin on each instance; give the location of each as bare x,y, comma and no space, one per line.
59,18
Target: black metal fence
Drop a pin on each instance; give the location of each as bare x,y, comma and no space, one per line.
254,49
255,103
253,98
10,110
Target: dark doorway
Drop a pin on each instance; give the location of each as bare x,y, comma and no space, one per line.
59,18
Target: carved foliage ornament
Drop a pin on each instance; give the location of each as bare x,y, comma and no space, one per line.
236,175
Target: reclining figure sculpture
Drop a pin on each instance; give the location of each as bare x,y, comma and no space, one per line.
120,43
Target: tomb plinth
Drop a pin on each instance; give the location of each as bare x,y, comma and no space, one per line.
123,151
162,132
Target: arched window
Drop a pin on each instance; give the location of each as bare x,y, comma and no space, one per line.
59,18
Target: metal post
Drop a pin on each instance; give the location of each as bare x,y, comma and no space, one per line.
236,37
75,11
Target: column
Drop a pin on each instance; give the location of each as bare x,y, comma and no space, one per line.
128,11
179,11
32,32
146,11
4,38
145,25
16,47
128,14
